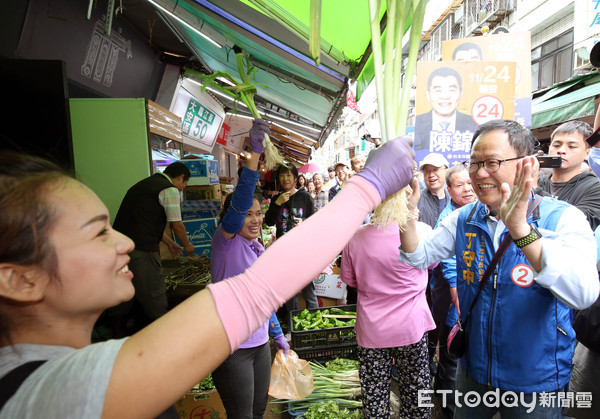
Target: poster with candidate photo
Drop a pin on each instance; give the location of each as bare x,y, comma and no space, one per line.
501,47
454,98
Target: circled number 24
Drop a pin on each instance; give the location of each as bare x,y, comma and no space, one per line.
487,108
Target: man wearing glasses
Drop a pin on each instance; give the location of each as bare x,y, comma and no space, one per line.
519,335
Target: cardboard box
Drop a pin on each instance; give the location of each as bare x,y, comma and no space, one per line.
204,171
329,286
204,405
226,188
195,210
202,193
200,233
208,405
226,180
323,302
203,250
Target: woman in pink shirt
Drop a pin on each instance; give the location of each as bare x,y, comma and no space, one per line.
392,318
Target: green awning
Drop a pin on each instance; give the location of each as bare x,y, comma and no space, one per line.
553,92
557,109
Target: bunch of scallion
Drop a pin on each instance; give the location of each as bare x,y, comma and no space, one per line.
392,95
191,270
336,391
241,91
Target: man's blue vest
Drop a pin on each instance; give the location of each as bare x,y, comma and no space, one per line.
520,336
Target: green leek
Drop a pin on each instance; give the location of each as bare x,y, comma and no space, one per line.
393,95
315,31
243,91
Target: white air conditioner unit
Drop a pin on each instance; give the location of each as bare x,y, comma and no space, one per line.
581,59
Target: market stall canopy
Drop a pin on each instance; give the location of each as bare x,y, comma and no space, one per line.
304,97
565,101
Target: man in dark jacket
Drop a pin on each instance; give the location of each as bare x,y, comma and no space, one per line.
143,215
567,182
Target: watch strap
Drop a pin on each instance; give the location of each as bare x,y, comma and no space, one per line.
528,239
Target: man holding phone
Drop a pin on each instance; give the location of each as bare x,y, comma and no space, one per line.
567,182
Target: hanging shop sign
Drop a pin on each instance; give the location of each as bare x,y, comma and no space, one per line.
224,134
201,120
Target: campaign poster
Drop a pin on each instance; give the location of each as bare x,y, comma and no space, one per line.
453,98
501,47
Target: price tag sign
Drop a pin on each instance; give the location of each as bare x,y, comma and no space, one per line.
201,119
453,98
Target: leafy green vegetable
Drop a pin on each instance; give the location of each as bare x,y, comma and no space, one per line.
342,364
204,385
330,410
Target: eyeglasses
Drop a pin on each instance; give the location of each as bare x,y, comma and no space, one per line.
490,165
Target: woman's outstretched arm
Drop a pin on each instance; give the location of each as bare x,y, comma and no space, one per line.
161,362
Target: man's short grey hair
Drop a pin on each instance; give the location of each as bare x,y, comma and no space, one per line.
574,127
519,137
457,168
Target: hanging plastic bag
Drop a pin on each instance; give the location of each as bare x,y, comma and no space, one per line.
291,377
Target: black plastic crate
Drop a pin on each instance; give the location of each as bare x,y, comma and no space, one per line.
322,338
322,355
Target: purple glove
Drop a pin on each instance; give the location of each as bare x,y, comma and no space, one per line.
260,127
390,168
282,343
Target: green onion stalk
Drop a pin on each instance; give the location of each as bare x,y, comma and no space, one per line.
311,34
315,31
241,91
393,96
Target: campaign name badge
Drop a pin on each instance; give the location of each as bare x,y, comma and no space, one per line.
522,275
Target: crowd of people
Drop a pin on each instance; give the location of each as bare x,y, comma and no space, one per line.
531,328
393,280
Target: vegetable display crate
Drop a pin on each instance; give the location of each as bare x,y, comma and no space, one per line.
322,355
330,338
